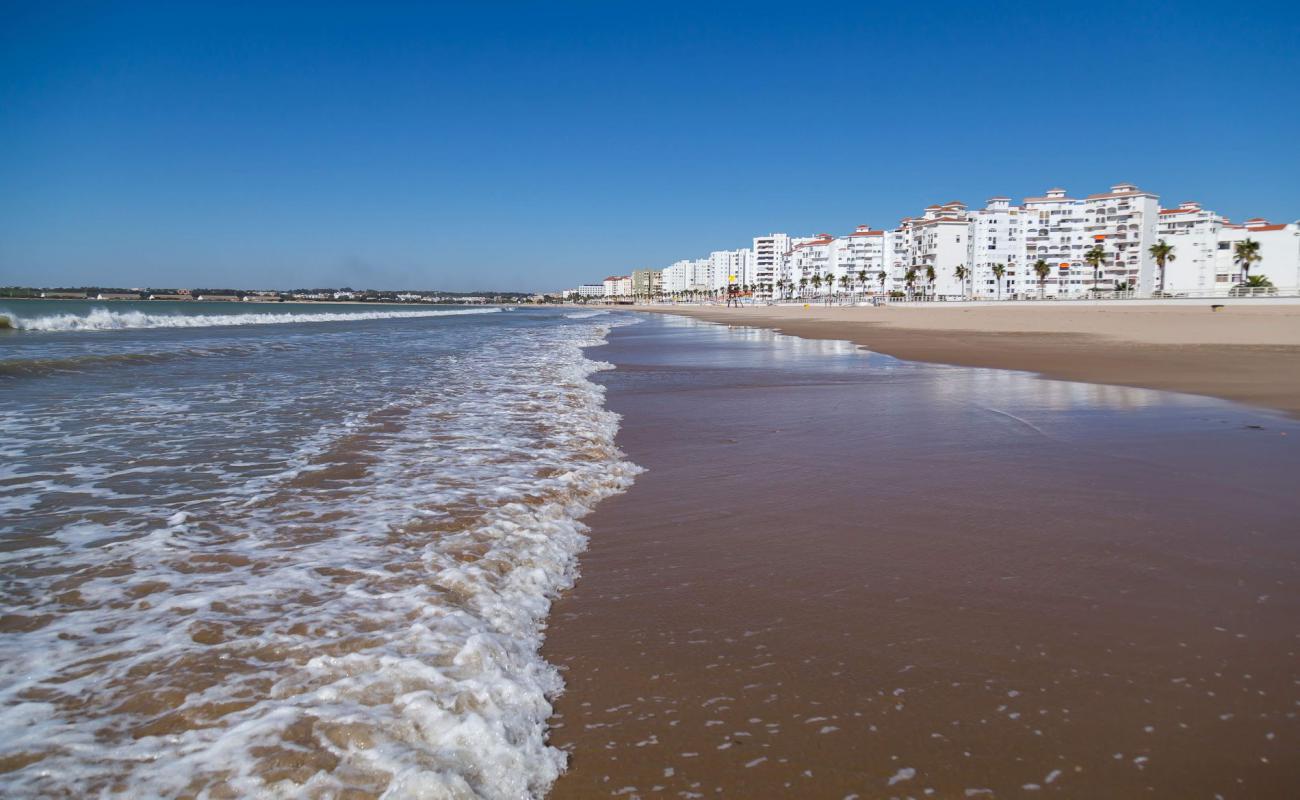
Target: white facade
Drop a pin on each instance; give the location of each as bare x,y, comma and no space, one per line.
730,267
617,286
1193,232
861,257
768,253
997,236
1279,248
1204,255
938,240
591,290
1054,229
677,277
1123,223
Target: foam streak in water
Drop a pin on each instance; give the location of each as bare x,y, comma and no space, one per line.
103,319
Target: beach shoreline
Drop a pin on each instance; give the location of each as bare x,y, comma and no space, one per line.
847,575
1248,355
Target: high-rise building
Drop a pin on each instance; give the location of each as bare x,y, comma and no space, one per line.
768,254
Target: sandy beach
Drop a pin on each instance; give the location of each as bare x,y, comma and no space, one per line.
1247,354
844,575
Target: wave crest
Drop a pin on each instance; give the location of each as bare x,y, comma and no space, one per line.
102,319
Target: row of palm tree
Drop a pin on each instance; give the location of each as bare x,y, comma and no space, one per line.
1246,253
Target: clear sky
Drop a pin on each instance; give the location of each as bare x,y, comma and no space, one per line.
537,145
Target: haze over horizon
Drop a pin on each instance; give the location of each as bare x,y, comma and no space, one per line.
531,147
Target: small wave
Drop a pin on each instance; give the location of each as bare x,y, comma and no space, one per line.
101,319
584,314
53,365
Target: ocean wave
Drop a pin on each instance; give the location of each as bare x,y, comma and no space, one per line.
102,319
366,619
584,314
54,365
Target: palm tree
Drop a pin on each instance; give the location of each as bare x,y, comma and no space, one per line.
910,278
846,282
803,287
817,283
881,276
998,271
1042,269
862,279
1096,258
961,272
1162,253
929,278
1244,254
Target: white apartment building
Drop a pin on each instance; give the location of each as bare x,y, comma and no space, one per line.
1053,232
767,254
938,239
1123,223
1057,229
1205,251
808,259
1193,232
834,258
730,267
677,277
617,286
590,290
862,256
997,236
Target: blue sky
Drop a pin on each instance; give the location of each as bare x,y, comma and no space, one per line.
533,146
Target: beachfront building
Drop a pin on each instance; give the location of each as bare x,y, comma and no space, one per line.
587,291
1056,229
808,265
938,240
680,276
1122,222
1279,251
1205,251
768,255
1193,232
1053,232
861,257
647,283
997,236
617,286
730,268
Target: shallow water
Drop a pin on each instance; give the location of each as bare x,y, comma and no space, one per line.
843,574
287,551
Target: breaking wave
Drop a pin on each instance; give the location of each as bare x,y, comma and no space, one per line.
102,319
302,585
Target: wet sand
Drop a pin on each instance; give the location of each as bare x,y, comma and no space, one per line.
898,579
1249,354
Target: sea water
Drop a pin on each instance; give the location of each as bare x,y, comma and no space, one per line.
289,551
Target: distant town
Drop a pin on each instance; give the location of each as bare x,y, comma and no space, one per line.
344,295
1119,243
1116,244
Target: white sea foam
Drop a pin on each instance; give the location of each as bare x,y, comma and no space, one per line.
360,608
103,319
584,314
